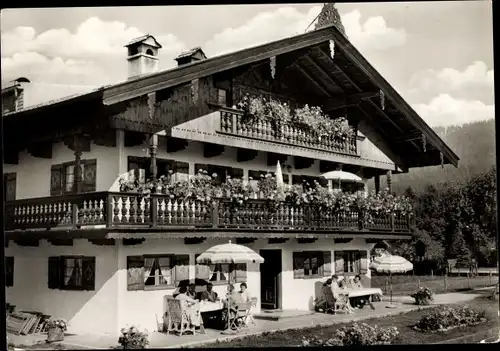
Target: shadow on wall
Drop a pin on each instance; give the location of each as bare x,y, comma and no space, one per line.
317,293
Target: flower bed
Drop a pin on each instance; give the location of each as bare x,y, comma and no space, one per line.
356,335
423,296
446,318
132,338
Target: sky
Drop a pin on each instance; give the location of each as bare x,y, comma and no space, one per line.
438,55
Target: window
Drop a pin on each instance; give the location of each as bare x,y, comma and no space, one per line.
9,185
221,171
351,262
219,273
9,271
142,168
222,97
62,180
71,273
157,271
311,264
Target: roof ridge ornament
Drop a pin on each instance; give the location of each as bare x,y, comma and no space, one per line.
332,49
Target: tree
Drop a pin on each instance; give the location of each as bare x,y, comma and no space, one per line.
328,16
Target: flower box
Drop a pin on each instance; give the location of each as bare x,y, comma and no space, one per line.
55,334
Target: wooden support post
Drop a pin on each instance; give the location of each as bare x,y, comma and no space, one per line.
153,145
77,173
377,183
445,282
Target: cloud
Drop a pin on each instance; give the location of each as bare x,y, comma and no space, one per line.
474,76
93,54
373,34
445,110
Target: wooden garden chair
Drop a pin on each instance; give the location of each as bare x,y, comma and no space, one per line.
342,304
177,320
245,312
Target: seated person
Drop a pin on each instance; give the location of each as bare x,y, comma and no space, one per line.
190,306
191,291
358,302
209,294
335,285
328,294
244,296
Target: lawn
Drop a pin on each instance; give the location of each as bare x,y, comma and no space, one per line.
407,284
404,322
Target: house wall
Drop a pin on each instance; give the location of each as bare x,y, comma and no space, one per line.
86,311
116,307
33,173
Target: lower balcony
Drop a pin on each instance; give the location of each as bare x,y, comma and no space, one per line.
129,210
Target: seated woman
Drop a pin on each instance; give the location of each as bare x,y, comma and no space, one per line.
244,296
358,302
209,294
328,295
189,306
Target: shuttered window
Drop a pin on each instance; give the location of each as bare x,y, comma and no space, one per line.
9,271
312,264
71,273
62,180
157,271
351,262
9,186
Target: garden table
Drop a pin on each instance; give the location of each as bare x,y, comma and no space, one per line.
351,293
207,306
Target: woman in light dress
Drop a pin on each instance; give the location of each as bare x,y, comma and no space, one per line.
190,307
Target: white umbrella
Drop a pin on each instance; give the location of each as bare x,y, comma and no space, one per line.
391,264
229,254
279,180
342,176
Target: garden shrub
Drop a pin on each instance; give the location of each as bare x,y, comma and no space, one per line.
132,338
423,296
445,318
356,335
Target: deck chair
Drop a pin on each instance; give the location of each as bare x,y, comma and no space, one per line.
342,304
245,310
177,320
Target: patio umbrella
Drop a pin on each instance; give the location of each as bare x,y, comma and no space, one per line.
229,254
391,264
279,179
342,176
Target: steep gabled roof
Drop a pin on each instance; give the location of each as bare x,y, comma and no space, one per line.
145,38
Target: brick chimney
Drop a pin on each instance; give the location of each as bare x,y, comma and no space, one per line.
142,56
193,55
13,95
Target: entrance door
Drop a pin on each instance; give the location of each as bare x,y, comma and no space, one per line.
269,279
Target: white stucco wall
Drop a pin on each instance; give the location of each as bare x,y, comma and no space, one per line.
86,311
33,173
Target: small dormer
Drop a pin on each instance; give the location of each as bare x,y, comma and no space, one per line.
142,56
193,55
13,95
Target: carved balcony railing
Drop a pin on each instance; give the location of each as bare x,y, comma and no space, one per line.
130,210
231,123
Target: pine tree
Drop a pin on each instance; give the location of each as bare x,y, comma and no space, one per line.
328,16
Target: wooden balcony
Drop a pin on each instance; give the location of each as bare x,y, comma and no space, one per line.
231,123
128,210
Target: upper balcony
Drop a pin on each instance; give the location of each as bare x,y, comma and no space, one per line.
231,123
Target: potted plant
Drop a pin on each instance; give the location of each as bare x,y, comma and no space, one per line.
132,338
423,296
56,329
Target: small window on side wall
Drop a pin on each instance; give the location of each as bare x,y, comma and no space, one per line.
71,273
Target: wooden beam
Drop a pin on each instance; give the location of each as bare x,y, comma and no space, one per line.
243,241
78,142
212,150
61,242
194,241
326,166
272,158
244,155
176,144
347,100
41,149
11,157
132,139
302,162
408,137
105,138
130,242
312,80
102,242
272,241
